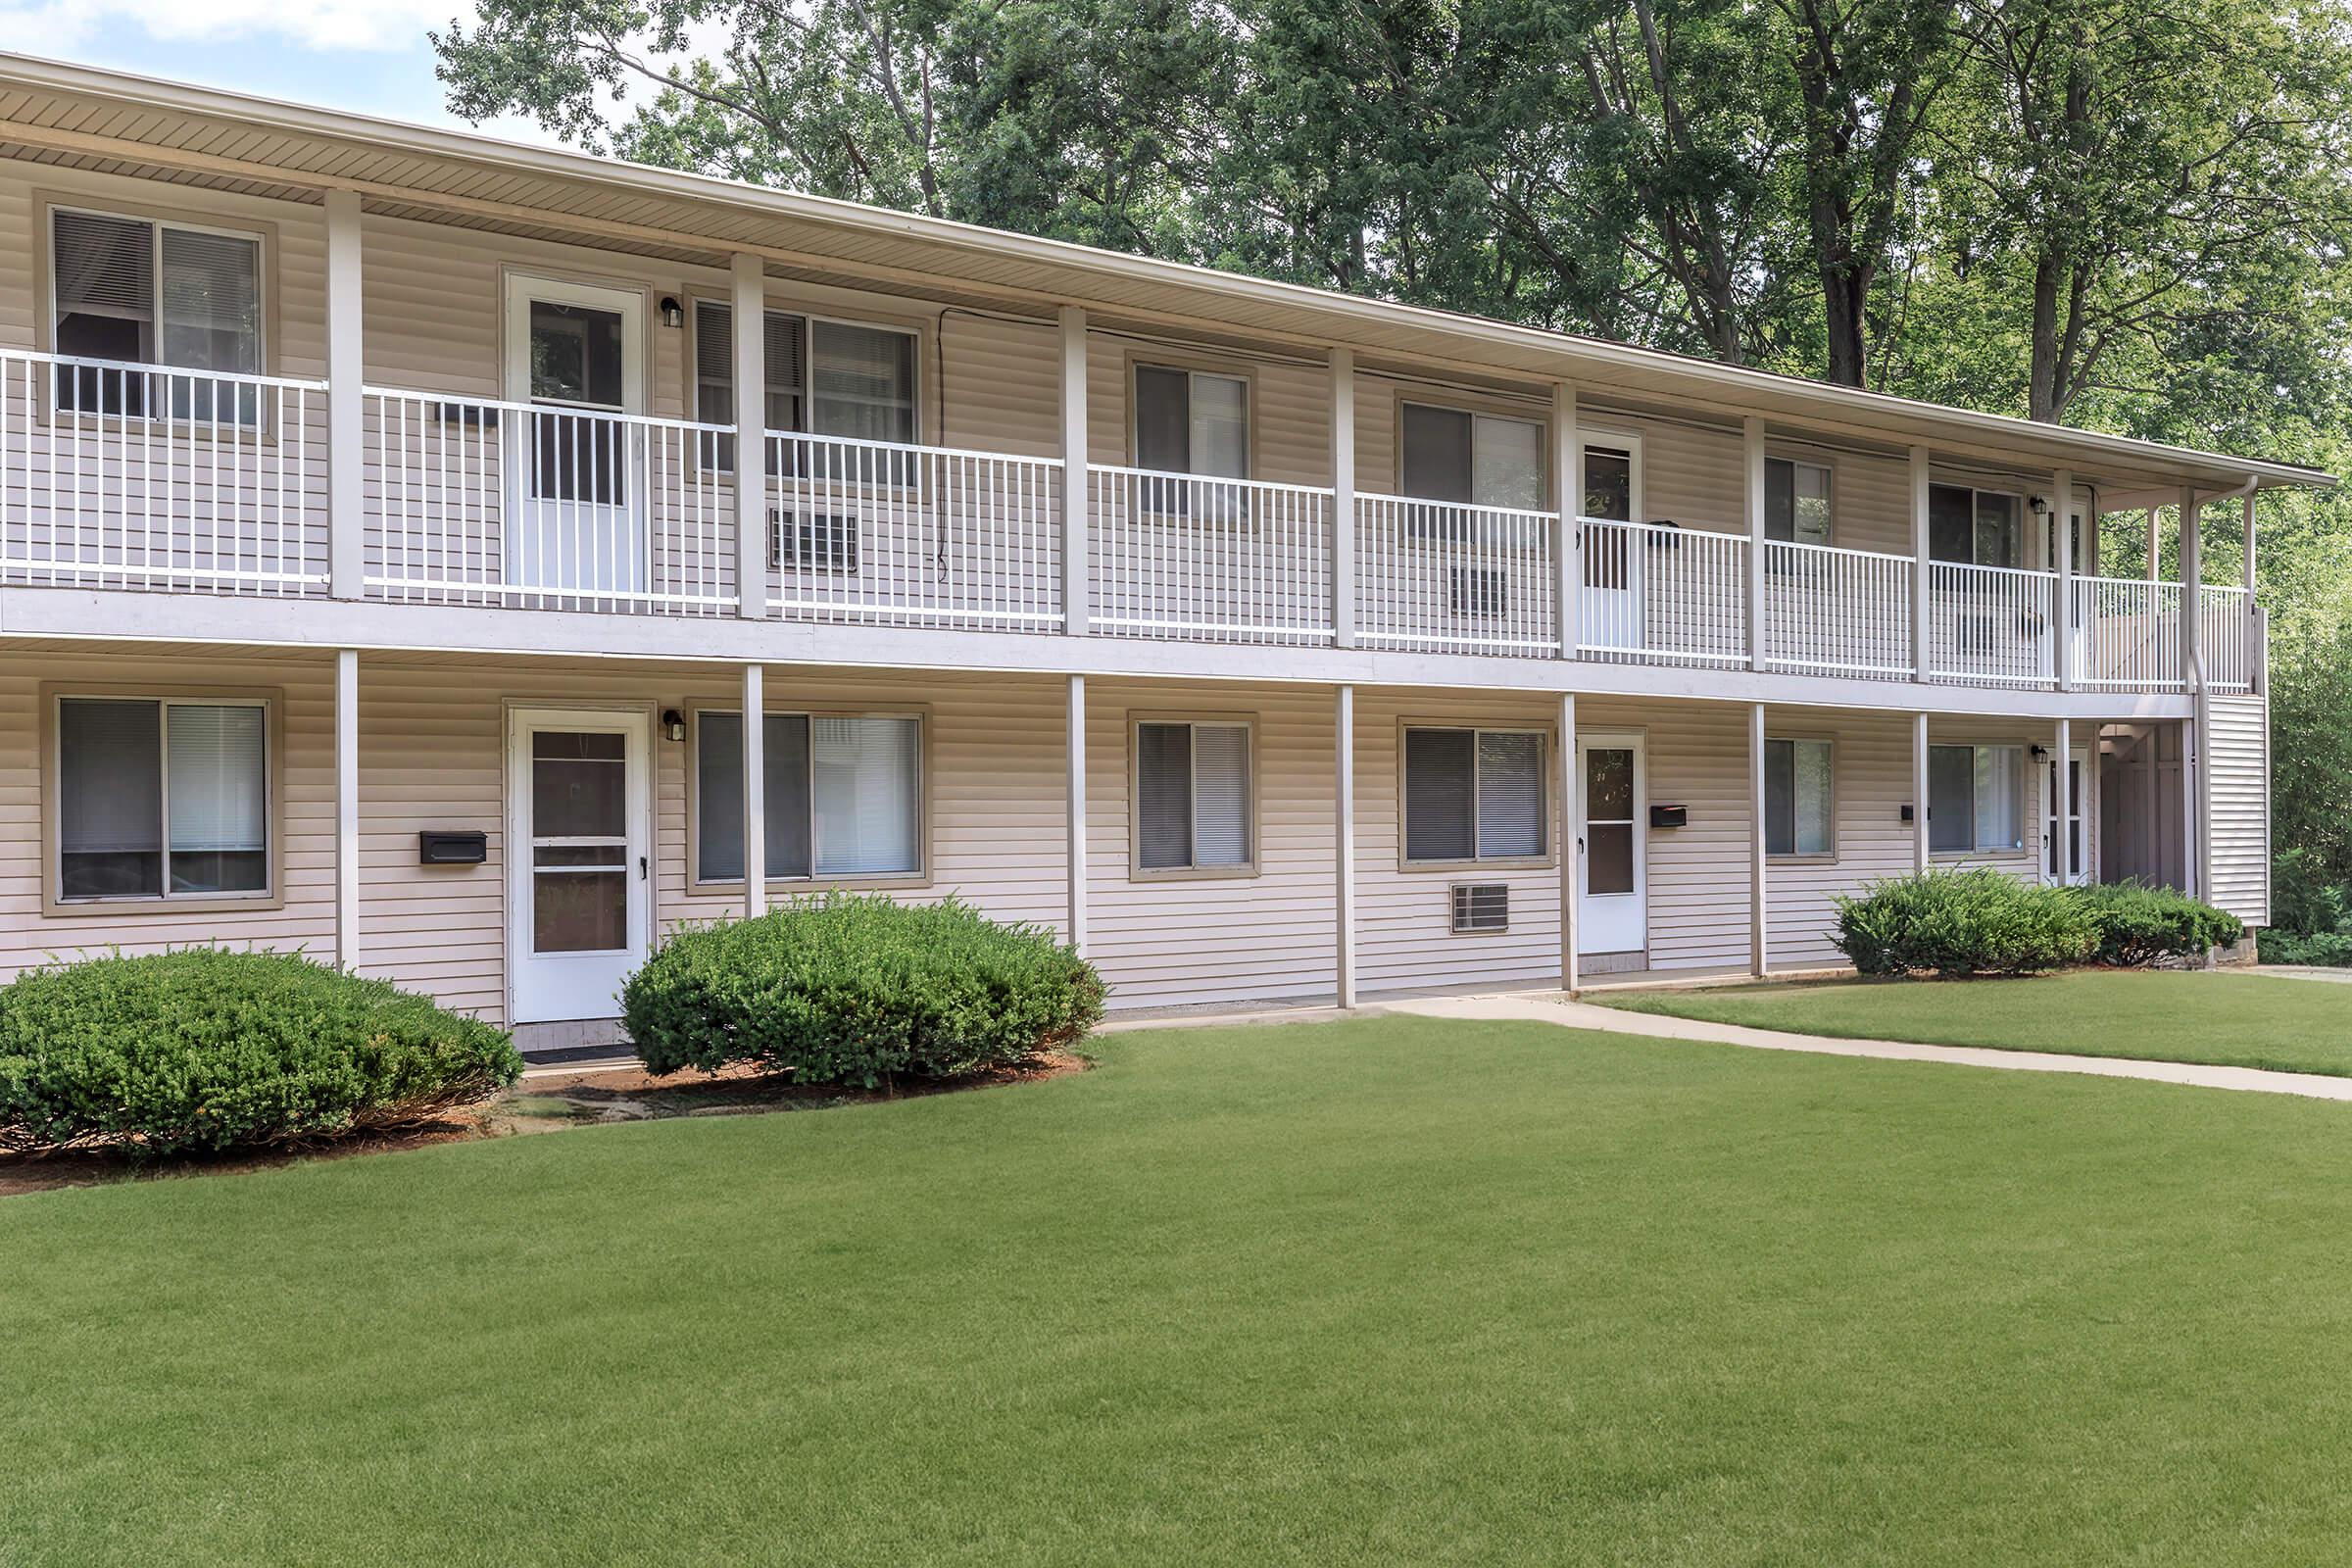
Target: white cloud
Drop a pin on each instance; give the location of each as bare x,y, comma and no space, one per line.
369,25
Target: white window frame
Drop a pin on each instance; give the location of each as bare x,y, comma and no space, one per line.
267,896
920,876
1829,475
1545,488
1808,857
263,260
809,321
1548,821
2027,811
2024,514
1137,872
1192,372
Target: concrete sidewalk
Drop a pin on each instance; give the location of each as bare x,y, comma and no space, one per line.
1557,1009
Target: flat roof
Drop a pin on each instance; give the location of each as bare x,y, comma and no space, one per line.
85,117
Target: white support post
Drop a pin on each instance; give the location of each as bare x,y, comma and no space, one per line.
2062,524
1343,739
1567,492
1343,499
755,781
1572,857
2247,524
749,320
347,809
1922,849
1752,430
2155,520
1074,796
345,422
1759,944
2062,805
1920,470
2192,800
2192,574
1075,499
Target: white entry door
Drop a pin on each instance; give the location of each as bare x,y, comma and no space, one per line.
580,886
1612,896
575,470
2074,833
1615,559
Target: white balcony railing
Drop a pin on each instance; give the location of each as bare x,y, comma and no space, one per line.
1991,625
2126,634
1655,594
885,533
475,500
2226,636
1438,577
117,475
1835,611
1202,560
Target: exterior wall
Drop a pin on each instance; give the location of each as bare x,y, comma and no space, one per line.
2237,804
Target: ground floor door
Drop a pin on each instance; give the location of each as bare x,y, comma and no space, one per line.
2075,832
579,885
1612,877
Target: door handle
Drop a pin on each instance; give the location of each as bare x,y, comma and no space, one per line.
641,868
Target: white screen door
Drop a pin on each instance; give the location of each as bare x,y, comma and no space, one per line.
2077,836
1611,855
579,901
575,470
1614,560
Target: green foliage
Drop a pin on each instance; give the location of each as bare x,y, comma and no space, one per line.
1958,923
206,1049
2139,924
2311,915
859,989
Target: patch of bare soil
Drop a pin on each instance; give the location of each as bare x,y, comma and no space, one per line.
592,1097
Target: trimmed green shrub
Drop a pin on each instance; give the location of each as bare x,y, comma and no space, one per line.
858,988
1955,923
2139,924
205,1048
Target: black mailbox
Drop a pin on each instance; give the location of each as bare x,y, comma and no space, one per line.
451,849
1670,817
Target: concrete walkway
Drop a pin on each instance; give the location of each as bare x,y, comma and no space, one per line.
1557,1009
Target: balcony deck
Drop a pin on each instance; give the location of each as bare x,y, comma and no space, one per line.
119,476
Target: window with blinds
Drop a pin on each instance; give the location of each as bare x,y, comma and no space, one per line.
843,796
1473,795
1197,423
827,378
137,292
1193,797
1798,797
1975,799
161,799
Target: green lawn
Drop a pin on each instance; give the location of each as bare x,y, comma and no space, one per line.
2235,1020
1394,1292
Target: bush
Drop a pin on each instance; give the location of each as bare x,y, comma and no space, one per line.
1954,923
2138,924
205,1048
858,988
2311,917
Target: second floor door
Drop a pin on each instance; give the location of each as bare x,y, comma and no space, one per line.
575,470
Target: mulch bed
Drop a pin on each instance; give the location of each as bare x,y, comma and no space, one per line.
557,1102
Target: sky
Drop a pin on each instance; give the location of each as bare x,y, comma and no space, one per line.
368,56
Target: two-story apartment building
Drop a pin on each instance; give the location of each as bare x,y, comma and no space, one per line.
398,525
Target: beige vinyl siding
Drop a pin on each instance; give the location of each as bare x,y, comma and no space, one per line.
1870,765
2237,793
1696,754
999,384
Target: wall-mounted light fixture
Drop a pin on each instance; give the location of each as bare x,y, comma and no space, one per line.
2037,752
2040,506
672,313
674,724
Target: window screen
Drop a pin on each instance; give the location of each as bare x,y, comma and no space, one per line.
119,760
719,795
714,373
868,787
1797,797
1191,421
1484,460
1975,797
1191,796
1510,793
1473,795
1797,502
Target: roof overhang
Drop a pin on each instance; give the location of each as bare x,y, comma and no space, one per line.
84,117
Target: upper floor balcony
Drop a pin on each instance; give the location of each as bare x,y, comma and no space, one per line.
125,475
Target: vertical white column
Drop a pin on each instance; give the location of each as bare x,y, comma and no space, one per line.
1568,499
1343,499
347,808
1920,470
754,774
1571,855
1343,842
2062,803
1921,845
2154,522
1751,431
2258,650
2247,524
1758,941
2062,525
1075,499
750,317
2192,803
2192,574
1074,795
346,424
